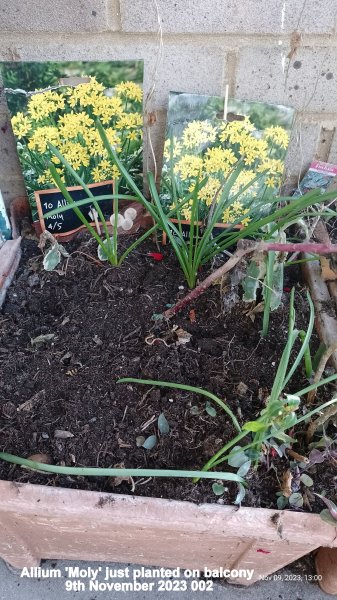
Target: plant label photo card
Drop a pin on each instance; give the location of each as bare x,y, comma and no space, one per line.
54,109
215,147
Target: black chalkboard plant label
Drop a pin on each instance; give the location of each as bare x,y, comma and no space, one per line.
67,223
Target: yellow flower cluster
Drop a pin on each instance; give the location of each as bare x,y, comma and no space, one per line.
189,166
235,214
105,171
278,135
40,106
219,159
198,133
42,136
21,125
130,90
236,131
172,147
209,191
66,119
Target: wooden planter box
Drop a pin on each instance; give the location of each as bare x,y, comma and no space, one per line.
46,522
39,522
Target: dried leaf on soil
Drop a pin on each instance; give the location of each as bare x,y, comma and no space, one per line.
183,337
61,434
43,339
122,444
242,389
286,484
38,458
29,404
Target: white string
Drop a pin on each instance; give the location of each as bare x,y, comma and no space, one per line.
225,110
151,92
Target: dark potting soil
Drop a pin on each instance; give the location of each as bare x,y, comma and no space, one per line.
99,320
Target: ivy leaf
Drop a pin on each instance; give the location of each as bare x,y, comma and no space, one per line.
150,442
282,502
237,457
306,480
163,425
296,500
210,409
240,495
218,489
243,470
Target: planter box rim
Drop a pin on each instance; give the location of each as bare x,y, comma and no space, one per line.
285,525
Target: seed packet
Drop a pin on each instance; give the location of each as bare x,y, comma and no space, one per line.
207,140
319,175
58,103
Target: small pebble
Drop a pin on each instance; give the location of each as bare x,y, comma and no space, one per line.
181,287
170,400
45,436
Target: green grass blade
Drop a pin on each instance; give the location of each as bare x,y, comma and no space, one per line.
73,205
314,386
305,343
267,292
108,248
188,388
106,472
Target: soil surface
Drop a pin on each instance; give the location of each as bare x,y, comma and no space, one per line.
98,323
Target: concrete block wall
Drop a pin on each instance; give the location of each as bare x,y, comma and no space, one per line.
280,51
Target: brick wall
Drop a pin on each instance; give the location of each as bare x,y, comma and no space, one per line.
272,50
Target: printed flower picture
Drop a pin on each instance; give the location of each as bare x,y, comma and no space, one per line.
202,150
46,108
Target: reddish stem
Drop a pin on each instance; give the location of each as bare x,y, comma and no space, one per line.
237,256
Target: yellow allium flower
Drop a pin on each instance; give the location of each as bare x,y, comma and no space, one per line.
21,125
236,131
130,90
133,136
278,135
188,166
186,213
73,124
41,136
270,182
115,172
253,149
40,106
97,175
272,165
130,120
76,154
209,190
198,133
85,94
106,108
175,148
219,159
